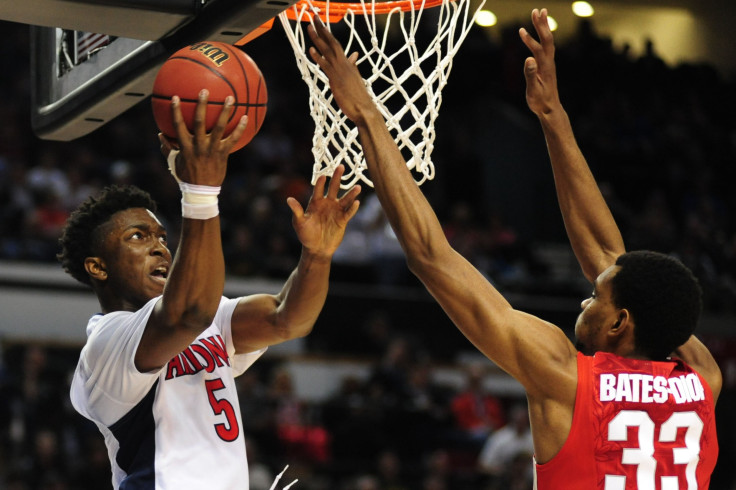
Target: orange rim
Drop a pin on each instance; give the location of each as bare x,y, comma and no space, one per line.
338,10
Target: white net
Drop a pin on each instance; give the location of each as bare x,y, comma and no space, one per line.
409,67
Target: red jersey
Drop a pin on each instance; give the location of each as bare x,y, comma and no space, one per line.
637,425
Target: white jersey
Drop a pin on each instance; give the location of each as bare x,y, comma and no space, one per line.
176,428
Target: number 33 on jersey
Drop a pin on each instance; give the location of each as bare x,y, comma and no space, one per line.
637,425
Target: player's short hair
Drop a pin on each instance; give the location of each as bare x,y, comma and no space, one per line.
663,297
78,239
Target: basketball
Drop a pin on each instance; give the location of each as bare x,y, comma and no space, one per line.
224,70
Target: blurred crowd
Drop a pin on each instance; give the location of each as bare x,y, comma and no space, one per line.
661,140
395,427
399,423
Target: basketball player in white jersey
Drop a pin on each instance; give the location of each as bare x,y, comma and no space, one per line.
157,372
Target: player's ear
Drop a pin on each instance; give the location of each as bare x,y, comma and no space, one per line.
96,268
622,323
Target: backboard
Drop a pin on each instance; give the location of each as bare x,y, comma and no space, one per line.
94,59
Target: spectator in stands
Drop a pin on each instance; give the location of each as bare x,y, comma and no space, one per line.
477,412
302,437
508,442
390,471
386,258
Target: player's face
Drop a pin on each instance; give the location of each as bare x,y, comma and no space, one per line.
136,257
598,313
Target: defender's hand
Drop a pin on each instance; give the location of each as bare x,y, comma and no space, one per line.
542,96
346,84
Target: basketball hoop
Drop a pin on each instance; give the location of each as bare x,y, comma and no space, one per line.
409,97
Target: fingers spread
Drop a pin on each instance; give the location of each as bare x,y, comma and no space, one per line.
222,119
200,114
335,182
236,133
318,33
326,47
165,144
319,187
312,33
352,210
182,132
530,42
295,207
541,25
348,200
316,57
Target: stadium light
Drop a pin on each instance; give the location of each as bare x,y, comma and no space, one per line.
552,23
486,18
582,9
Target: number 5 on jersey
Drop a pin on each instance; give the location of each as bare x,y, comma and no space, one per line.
229,431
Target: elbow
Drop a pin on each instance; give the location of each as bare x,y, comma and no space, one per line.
189,307
417,265
198,320
192,319
423,259
289,327
298,327
300,332
293,331
288,323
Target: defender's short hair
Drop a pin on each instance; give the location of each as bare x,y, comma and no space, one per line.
663,297
77,240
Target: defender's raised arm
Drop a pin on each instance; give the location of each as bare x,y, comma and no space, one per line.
593,233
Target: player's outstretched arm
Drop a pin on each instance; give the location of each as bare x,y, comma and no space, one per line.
196,278
533,351
592,231
263,320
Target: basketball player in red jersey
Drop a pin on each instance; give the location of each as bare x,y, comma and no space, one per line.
631,404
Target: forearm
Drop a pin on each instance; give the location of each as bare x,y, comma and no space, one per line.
303,296
408,211
593,233
197,277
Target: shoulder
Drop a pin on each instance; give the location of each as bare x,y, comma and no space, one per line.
106,382
116,324
113,337
225,311
697,356
708,383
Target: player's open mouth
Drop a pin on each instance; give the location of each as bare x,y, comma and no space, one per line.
161,272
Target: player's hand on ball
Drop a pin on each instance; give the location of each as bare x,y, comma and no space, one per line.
224,70
203,156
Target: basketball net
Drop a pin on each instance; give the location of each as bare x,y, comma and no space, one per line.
415,109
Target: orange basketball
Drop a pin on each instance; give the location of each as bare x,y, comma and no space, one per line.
224,70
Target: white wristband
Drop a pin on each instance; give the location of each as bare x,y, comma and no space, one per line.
199,201
171,161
